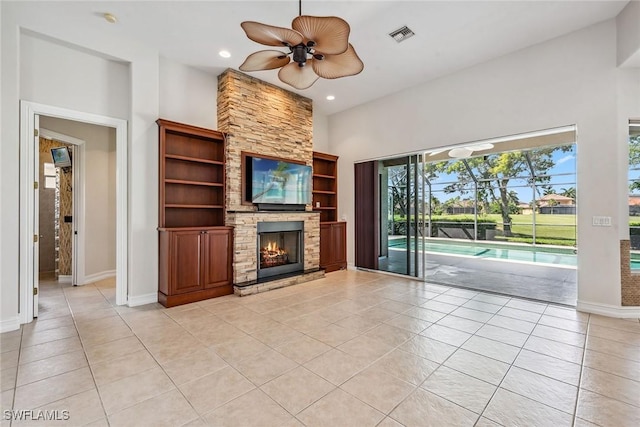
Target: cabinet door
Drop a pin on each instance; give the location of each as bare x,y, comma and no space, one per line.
185,262
339,237
326,245
216,258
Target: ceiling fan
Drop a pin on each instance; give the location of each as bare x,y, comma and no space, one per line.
463,151
318,47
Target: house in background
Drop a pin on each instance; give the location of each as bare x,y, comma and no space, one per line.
556,204
634,205
525,209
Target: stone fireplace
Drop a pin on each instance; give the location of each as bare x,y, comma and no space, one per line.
258,117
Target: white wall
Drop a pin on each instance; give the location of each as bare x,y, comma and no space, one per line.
320,132
133,96
569,80
55,74
100,196
188,95
629,34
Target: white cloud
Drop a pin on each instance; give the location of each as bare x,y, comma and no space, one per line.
565,159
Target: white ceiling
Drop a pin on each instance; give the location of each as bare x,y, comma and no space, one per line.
450,35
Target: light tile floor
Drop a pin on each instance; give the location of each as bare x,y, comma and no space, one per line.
352,349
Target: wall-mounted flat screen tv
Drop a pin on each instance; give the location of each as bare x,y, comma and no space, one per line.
61,157
279,182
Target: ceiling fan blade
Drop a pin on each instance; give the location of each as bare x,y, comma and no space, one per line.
298,77
270,35
329,33
436,152
265,60
335,66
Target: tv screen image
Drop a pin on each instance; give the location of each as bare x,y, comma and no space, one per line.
279,182
61,157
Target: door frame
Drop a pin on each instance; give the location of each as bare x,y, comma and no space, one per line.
28,112
78,224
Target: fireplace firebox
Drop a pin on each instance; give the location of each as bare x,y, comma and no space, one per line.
280,248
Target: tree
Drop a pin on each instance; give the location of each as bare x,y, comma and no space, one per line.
634,159
397,189
568,192
493,174
547,190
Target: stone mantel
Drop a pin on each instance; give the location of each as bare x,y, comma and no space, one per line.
245,257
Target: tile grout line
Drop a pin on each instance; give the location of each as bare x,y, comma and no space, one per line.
84,350
584,355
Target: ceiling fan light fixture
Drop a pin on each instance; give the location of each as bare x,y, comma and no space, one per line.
481,147
318,47
460,152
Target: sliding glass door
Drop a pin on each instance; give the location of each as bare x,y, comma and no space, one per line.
402,215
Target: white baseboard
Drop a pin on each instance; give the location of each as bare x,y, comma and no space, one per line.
619,311
352,267
64,279
95,277
135,301
11,324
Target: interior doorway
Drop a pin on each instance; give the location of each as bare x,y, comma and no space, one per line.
31,116
60,180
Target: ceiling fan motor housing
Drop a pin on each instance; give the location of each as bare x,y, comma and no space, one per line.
299,54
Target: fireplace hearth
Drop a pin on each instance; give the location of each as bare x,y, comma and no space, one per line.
280,248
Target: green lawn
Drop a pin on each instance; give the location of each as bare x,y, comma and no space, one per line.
550,229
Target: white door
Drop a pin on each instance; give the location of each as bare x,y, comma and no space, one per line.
36,213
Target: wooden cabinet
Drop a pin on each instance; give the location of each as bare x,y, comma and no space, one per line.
333,245
195,246
195,264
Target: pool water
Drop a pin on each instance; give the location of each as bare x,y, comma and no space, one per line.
535,254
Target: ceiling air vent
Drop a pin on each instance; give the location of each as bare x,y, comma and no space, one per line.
401,34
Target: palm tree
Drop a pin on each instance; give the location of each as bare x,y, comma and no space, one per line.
568,192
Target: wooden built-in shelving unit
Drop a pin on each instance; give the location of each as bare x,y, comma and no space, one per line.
333,233
195,246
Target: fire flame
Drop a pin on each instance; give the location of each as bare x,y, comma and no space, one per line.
272,255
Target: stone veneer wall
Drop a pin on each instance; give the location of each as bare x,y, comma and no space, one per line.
261,118
630,282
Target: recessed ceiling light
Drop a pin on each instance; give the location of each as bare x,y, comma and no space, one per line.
225,54
110,18
330,97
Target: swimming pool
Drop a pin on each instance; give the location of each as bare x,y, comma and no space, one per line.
509,252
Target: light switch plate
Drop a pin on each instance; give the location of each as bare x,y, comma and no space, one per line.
602,221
